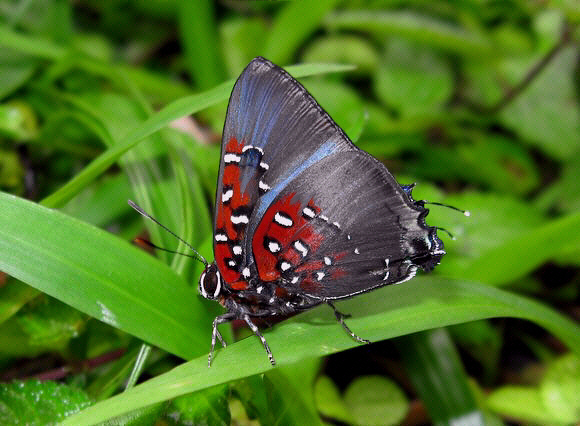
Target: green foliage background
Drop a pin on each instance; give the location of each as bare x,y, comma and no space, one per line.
100,102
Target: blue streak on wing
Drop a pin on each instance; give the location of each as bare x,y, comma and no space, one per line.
268,198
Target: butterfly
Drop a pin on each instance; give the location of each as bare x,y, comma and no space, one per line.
302,216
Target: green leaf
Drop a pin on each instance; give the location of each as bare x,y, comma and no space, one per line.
519,402
199,40
16,69
34,402
242,39
292,26
343,49
518,257
414,27
385,313
560,389
555,401
13,296
101,275
329,400
413,80
435,369
207,407
51,324
376,400
546,114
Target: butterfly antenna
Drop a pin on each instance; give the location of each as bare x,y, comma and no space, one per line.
148,216
465,212
446,231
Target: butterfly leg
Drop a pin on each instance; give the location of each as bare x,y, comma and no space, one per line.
340,318
262,338
217,335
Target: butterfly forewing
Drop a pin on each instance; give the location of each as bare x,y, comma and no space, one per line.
273,131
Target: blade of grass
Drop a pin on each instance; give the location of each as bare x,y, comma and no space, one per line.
179,108
415,27
518,257
386,313
433,364
198,35
101,275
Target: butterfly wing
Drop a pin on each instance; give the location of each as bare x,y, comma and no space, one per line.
274,130
341,227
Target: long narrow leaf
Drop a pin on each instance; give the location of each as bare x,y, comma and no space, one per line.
389,312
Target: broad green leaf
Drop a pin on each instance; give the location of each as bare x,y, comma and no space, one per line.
546,114
16,69
101,275
346,49
376,400
414,81
422,304
554,401
293,25
179,108
560,389
39,403
329,401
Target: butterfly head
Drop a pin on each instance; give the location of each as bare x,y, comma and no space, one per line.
210,282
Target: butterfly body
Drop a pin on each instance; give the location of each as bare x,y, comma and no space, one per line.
303,216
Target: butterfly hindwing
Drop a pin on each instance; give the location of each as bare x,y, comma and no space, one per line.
341,227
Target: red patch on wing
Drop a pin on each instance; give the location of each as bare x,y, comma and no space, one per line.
222,252
301,229
239,285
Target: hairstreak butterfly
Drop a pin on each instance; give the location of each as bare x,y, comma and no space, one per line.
303,216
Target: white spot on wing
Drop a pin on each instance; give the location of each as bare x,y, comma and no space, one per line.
356,251
246,272
263,186
327,260
239,219
264,166
295,280
336,224
221,238
301,248
320,276
226,196
237,250
231,158
324,218
285,266
273,246
244,149
308,212
283,220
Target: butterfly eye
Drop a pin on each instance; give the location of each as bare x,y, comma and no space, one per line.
210,283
